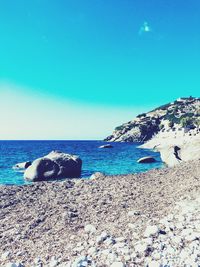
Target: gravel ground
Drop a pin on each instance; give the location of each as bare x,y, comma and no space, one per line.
51,224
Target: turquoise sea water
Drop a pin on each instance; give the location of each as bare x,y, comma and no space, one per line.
121,159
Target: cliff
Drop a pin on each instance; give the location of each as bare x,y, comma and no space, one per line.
181,115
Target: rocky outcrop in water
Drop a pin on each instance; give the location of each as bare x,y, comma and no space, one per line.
146,160
55,165
184,113
106,146
22,165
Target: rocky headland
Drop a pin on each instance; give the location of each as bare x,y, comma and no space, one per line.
147,219
172,129
181,115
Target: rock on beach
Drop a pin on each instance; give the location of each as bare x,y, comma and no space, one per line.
54,165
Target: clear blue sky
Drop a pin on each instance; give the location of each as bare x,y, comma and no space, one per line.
118,56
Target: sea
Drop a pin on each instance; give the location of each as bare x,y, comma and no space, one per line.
121,159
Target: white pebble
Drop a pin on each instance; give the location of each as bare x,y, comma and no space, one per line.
132,213
5,255
131,225
140,247
92,250
90,229
151,230
117,264
153,264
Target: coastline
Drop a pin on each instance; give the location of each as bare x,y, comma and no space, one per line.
45,220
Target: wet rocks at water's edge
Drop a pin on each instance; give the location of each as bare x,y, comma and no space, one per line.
148,159
96,175
22,165
172,241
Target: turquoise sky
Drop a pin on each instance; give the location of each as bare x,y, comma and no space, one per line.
118,56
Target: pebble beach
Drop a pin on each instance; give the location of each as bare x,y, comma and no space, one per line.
148,219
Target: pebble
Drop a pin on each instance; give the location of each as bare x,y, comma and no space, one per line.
120,239
140,247
53,262
79,249
5,255
131,225
151,230
90,229
104,235
153,264
132,213
92,250
12,264
117,264
173,241
109,241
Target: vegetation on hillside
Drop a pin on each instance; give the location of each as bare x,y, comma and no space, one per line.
180,114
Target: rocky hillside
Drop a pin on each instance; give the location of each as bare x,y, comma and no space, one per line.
182,114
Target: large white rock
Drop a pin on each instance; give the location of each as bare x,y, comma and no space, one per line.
54,165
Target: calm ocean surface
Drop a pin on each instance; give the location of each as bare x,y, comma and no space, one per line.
121,159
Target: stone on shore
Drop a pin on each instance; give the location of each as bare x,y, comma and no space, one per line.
55,165
146,160
96,175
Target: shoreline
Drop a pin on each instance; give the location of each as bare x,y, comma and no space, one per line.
121,159
47,220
